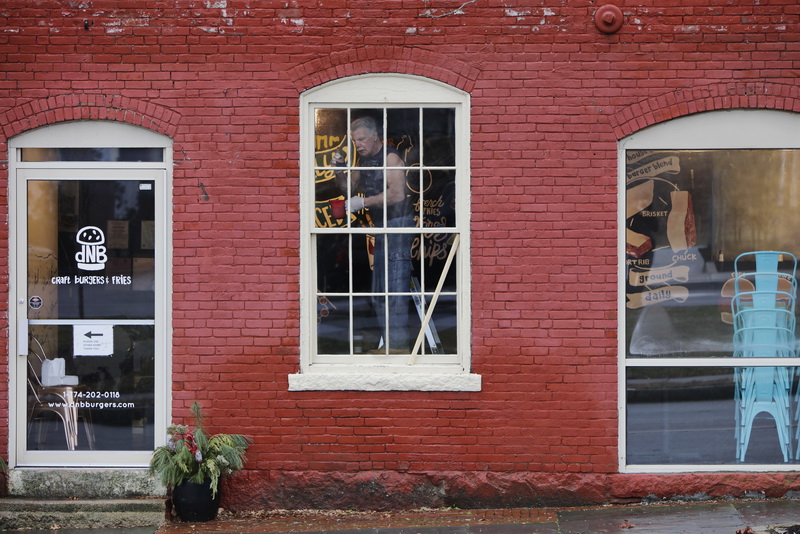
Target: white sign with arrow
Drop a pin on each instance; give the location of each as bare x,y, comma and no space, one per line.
93,340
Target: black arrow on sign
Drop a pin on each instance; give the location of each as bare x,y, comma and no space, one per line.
90,335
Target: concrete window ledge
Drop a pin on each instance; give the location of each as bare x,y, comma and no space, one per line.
384,382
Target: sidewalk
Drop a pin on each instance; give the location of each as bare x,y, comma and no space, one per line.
713,517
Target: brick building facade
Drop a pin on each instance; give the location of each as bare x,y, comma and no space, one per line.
521,402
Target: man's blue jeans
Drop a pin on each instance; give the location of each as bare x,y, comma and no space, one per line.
397,279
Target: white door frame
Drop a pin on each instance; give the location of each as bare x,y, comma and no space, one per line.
86,134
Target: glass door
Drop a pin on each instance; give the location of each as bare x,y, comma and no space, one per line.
90,314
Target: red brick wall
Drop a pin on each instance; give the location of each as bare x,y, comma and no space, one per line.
551,96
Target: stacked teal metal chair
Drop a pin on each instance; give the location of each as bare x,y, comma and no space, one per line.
763,309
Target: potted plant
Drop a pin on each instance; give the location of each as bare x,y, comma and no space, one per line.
192,463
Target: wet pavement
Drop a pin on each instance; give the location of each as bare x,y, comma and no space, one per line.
131,530
717,517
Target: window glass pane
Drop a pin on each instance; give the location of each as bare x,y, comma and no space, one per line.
403,133
689,214
699,415
333,325
111,395
91,251
333,264
439,199
331,213
439,137
366,335
440,334
330,137
330,151
363,259
435,250
137,154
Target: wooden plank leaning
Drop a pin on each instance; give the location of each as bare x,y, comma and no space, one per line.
429,312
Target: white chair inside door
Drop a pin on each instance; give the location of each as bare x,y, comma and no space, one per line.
54,392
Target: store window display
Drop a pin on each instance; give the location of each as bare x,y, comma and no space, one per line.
690,212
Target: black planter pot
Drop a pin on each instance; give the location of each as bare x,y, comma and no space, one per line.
193,501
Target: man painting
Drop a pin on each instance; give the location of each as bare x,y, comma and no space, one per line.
381,189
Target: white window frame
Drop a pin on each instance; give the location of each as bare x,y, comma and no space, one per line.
90,134
382,90
729,129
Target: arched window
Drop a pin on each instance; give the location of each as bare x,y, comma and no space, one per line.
385,244
708,347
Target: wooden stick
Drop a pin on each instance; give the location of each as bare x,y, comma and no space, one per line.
432,305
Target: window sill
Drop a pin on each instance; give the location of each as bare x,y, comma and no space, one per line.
384,382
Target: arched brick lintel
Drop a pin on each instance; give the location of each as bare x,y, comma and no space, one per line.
369,60
734,95
71,107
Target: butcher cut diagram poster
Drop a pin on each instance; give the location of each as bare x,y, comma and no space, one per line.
667,251
662,227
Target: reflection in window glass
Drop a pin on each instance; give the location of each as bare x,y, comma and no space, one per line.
383,178
694,415
689,214
694,220
111,396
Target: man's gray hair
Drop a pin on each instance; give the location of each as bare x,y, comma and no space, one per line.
364,122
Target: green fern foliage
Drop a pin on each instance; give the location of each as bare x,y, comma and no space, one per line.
196,457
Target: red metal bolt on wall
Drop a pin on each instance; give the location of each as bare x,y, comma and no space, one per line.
608,18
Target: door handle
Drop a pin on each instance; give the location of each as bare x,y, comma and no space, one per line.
22,337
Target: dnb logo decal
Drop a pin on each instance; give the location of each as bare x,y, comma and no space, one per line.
92,256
